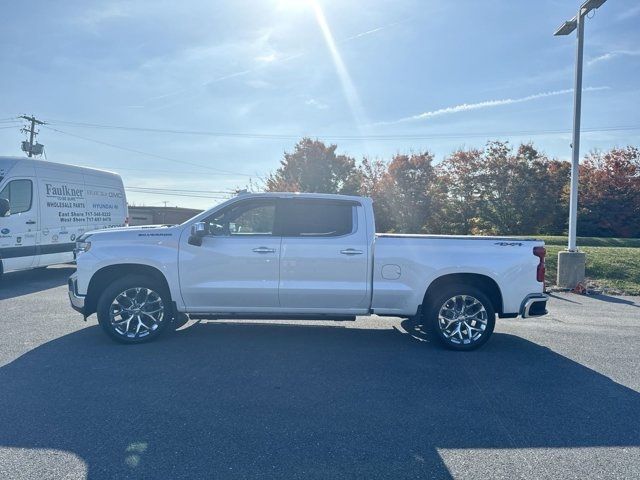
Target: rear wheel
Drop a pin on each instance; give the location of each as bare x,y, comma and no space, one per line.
461,317
134,309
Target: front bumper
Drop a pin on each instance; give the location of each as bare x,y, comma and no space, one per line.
534,305
77,300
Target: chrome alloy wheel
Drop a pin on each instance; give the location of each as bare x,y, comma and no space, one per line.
462,319
136,312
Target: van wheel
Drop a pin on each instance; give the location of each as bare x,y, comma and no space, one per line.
461,317
134,309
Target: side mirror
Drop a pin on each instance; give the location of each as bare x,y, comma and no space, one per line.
198,231
5,208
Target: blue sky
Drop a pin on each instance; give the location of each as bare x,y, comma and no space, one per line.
453,71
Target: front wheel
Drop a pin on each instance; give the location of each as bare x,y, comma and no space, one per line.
461,317
134,309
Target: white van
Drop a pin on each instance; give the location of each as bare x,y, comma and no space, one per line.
45,206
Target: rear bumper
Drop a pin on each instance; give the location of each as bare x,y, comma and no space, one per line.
77,300
534,305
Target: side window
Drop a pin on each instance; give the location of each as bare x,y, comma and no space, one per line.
245,218
19,193
317,218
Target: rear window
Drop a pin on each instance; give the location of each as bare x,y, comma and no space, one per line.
316,218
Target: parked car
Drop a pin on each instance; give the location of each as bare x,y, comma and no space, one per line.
305,256
46,206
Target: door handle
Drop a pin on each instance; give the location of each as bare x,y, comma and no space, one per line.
351,251
31,222
264,250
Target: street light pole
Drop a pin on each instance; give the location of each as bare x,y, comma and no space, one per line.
575,142
571,263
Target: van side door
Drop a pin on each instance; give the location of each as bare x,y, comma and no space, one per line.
18,229
324,256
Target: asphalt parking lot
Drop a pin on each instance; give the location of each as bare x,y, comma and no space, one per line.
552,397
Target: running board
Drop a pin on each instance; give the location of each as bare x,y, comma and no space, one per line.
267,316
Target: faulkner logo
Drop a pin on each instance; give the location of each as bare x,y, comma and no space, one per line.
63,191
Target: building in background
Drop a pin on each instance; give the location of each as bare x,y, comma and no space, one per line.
160,215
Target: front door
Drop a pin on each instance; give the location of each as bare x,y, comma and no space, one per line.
236,267
19,226
324,256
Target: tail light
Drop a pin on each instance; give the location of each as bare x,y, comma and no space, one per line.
540,252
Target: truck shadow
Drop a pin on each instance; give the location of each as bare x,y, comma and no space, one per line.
17,284
247,401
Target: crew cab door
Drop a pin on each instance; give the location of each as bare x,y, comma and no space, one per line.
18,228
324,257
236,267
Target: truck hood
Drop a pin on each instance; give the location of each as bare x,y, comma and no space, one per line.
128,233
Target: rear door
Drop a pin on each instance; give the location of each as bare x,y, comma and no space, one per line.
19,228
324,255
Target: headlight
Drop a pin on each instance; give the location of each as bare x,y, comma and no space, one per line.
82,247
82,244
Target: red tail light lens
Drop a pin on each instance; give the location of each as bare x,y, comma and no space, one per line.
540,252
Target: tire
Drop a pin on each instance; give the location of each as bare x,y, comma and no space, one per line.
461,317
134,309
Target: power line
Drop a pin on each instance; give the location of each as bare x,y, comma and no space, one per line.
177,194
177,131
170,172
343,137
183,190
140,152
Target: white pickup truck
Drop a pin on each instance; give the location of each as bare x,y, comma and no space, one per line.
305,256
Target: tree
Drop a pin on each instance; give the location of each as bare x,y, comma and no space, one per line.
459,174
376,183
415,193
609,185
498,192
315,167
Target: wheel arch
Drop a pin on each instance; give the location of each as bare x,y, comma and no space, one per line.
108,274
482,282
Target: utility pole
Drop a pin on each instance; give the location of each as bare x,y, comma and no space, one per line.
28,146
571,262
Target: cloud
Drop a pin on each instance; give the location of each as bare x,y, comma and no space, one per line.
267,58
629,13
261,61
257,84
312,102
465,107
611,55
94,17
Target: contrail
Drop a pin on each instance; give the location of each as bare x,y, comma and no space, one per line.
486,104
611,55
